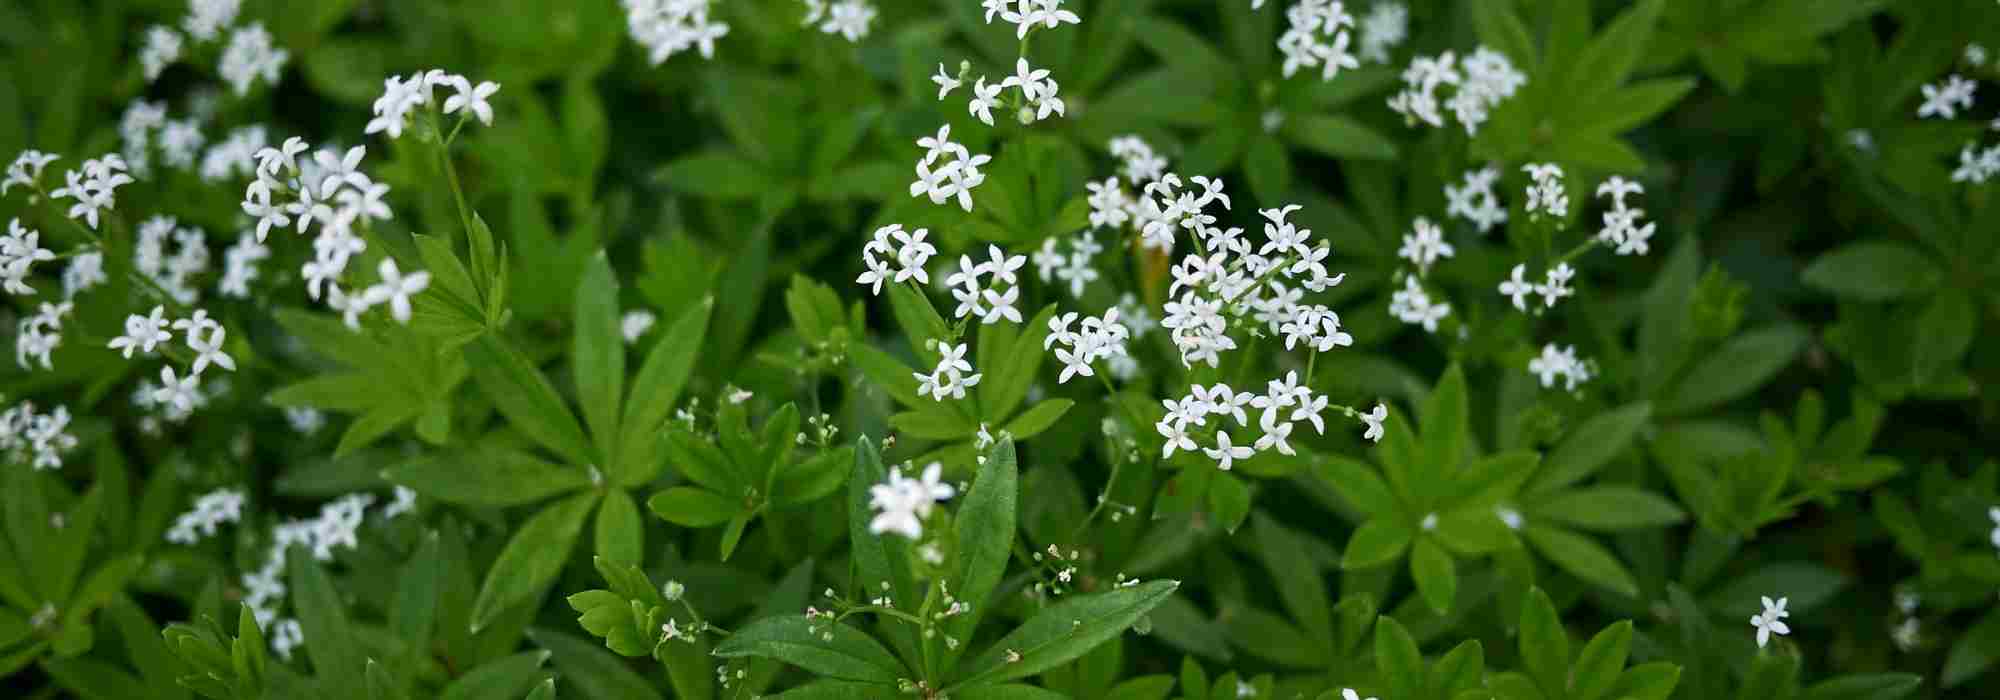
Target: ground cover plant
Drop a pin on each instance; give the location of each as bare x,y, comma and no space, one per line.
1000,349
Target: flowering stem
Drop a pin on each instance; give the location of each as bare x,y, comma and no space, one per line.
451,173
1580,249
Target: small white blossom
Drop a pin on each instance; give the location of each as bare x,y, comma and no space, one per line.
1771,621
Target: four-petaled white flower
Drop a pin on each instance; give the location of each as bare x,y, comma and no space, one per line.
396,288
472,97
1771,621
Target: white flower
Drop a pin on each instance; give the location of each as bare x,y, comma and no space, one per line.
1425,245
1518,287
1316,35
208,351
1349,694
667,27
163,47
1225,454
952,376
1475,200
1945,100
404,502
902,503
1770,621
396,289
1557,284
1413,305
94,188
26,169
211,510
471,98
1385,27
207,18
143,333
847,18
287,635
984,99
634,324
1546,195
178,393
305,420
947,83
1374,419
1559,362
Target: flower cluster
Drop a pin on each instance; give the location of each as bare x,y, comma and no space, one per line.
1622,228
249,56
1074,268
1559,362
39,334
41,437
1488,79
178,394
1424,245
95,187
26,170
1943,100
1554,286
985,302
668,27
1026,14
1096,339
941,181
1139,163
1385,27
1475,200
907,248
1316,36
20,249
162,49
173,274
848,18
1546,195
213,509
401,96
330,190
1038,93
1413,305
902,503
1285,403
952,376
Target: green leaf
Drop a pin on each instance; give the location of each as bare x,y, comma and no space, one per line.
1873,270
546,690
1498,27
597,354
1864,686
1435,575
1038,418
1591,445
1946,326
1338,137
1739,367
1446,426
1544,645
1300,587
984,537
837,690
1582,558
532,558
1654,681
1462,669
330,642
1601,661
413,613
620,534
1063,631
487,478
692,507
524,396
1611,56
95,680
1397,657
796,640
1973,653
1609,508
1771,676
1806,586
1357,483
657,388
1377,542
600,676
505,677
936,422
918,319
1228,500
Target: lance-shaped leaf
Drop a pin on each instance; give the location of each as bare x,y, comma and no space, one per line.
792,638
1064,631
